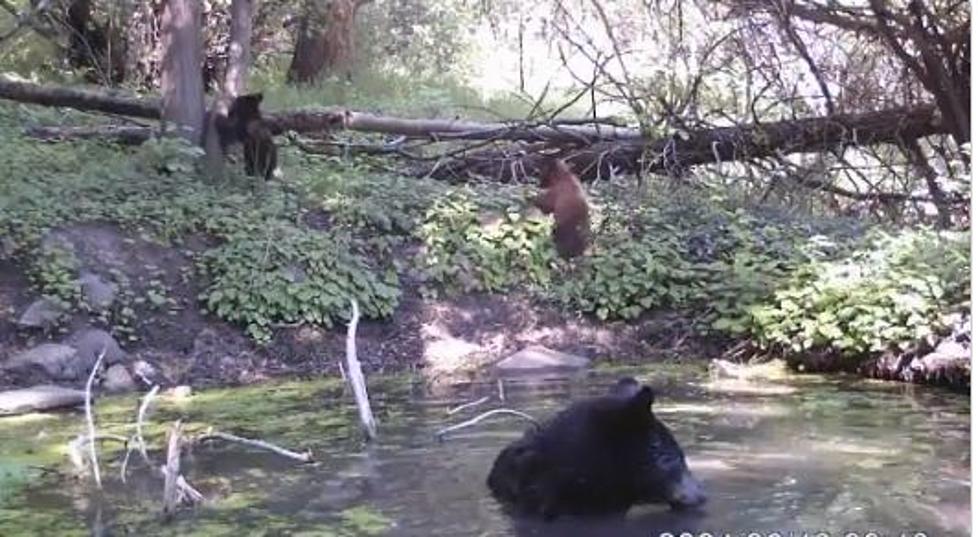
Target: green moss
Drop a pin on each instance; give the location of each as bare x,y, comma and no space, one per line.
363,520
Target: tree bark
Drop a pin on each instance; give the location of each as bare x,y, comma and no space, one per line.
181,81
915,154
235,81
307,56
325,42
79,99
239,48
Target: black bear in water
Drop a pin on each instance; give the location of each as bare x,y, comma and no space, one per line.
598,456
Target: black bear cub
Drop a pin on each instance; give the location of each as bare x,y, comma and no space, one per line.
244,124
598,456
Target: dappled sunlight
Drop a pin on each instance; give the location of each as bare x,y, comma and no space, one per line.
853,448
735,386
758,410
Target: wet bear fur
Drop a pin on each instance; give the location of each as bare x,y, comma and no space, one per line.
599,456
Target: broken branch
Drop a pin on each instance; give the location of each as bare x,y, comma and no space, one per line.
90,420
261,444
468,423
355,373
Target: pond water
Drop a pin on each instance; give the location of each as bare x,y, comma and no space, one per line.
801,454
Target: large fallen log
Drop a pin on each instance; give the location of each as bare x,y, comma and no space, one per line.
723,144
320,119
594,150
39,398
79,99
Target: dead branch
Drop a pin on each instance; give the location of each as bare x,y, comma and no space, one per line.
723,144
137,441
143,406
261,444
171,471
468,405
90,420
440,434
356,375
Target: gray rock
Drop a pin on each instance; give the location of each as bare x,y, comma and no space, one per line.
146,372
90,342
953,349
41,397
117,379
294,273
181,393
97,293
536,358
44,312
58,361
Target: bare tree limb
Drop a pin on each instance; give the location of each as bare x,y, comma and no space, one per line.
90,419
261,444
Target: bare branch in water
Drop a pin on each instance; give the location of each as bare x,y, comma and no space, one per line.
301,457
137,441
92,451
440,434
468,405
355,374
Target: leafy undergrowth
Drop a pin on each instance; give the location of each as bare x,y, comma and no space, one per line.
265,268
297,251
894,291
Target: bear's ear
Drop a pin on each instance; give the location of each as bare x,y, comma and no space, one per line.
641,402
626,387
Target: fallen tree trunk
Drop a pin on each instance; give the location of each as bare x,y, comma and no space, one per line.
120,134
594,150
722,144
79,99
322,119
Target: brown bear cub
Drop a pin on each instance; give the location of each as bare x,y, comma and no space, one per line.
244,124
260,153
564,197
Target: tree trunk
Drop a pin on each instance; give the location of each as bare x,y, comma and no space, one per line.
915,154
308,57
325,43
95,47
181,81
142,37
235,81
239,49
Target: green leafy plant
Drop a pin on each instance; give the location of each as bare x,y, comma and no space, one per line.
628,274
470,247
55,274
291,275
893,291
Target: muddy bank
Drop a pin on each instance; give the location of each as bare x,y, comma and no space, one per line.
160,333
173,341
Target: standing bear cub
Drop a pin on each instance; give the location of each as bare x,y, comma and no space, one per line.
564,197
598,456
244,124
